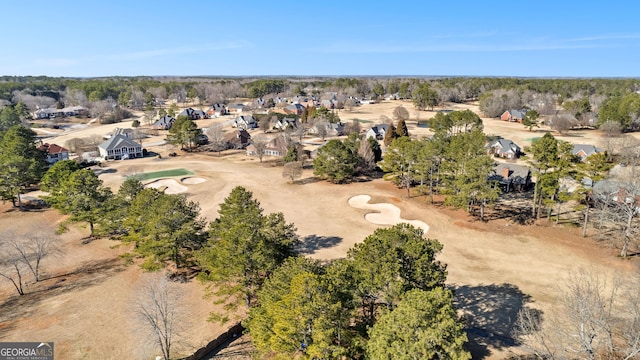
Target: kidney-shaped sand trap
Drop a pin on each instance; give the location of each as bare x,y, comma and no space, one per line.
192,180
387,214
172,186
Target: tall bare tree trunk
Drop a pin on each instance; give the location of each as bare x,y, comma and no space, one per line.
586,220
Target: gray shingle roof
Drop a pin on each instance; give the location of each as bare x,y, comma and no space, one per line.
117,142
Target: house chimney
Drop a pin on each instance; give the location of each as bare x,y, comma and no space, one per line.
505,173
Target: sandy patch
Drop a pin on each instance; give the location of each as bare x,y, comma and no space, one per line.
172,186
192,180
387,214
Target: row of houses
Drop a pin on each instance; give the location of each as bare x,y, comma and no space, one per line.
506,148
51,113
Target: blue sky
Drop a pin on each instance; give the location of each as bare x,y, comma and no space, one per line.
198,37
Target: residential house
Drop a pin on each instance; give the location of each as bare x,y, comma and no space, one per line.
329,104
513,115
50,113
238,140
286,123
164,123
128,132
295,109
193,114
54,153
217,110
298,99
377,132
278,146
622,192
505,148
237,108
120,147
583,151
259,103
511,176
331,129
245,122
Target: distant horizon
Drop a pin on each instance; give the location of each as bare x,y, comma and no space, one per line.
335,76
547,39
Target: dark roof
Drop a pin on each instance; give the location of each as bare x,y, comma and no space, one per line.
506,145
165,122
518,114
376,129
587,149
518,174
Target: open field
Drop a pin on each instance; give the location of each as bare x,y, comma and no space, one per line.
496,268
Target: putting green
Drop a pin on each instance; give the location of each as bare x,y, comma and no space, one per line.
163,173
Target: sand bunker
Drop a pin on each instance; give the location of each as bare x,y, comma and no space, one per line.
192,180
387,214
170,186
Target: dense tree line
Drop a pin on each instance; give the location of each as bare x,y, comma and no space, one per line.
340,161
386,300
22,164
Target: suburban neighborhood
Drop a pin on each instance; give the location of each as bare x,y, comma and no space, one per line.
319,181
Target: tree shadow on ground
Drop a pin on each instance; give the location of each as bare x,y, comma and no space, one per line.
312,243
308,180
515,206
99,171
491,313
239,347
17,308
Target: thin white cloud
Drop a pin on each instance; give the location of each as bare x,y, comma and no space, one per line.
606,37
453,47
475,43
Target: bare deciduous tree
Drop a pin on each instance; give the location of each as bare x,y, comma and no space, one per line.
596,319
353,127
384,119
349,104
368,157
98,109
260,145
75,97
32,102
618,200
292,170
265,123
561,123
321,129
20,253
216,136
611,128
159,93
400,113
301,130
161,312
12,267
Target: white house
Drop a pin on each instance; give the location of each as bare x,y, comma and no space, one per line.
120,147
54,153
